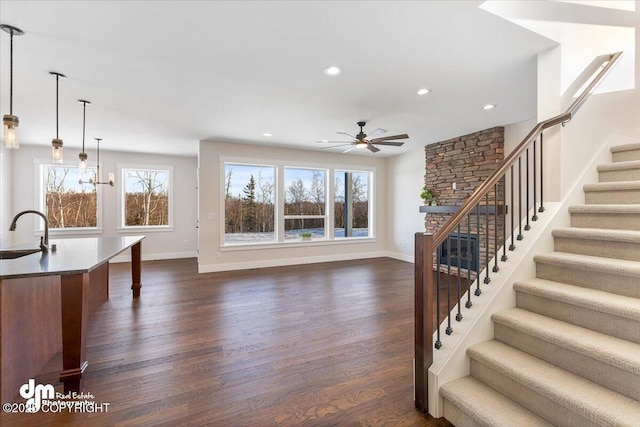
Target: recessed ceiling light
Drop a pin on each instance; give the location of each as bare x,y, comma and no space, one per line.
332,70
489,107
267,134
424,91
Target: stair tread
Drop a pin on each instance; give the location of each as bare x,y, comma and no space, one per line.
589,262
608,234
595,402
596,345
625,147
593,299
618,166
488,406
606,209
612,186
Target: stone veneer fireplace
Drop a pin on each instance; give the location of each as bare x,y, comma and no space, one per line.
466,161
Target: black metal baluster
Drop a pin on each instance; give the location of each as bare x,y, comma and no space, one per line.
512,247
438,343
495,227
504,218
459,254
478,264
535,200
520,237
486,214
449,329
541,209
527,227
469,259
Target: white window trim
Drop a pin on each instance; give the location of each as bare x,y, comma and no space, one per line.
39,201
279,166
123,229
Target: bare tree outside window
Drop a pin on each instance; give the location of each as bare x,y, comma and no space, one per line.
146,197
67,203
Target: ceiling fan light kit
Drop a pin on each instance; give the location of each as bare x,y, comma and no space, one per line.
361,141
9,121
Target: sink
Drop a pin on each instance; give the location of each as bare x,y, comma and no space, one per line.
17,253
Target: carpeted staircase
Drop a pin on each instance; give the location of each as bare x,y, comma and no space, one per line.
569,353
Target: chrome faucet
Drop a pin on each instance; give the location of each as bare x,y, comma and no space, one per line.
43,244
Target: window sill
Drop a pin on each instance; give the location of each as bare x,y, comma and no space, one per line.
61,232
147,229
294,244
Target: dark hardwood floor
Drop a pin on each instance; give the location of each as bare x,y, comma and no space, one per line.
313,345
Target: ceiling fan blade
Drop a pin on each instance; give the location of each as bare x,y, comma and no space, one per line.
372,148
388,138
335,146
344,133
378,131
392,143
333,142
349,149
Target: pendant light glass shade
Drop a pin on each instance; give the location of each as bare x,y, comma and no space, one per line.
9,121
10,124
82,163
56,143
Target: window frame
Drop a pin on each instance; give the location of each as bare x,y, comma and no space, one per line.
122,168
370,204
279,241
40,201
324,217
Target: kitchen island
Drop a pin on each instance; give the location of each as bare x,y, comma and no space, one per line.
45,301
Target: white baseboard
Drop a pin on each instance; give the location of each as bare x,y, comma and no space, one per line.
212,268
401,257
126,256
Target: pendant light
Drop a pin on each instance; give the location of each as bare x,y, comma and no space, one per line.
82,164
9,121
95,180
56,143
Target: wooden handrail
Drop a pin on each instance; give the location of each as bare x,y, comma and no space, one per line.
493,179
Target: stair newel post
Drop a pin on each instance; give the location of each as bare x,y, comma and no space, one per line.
541,208
535,201
504,218
424,291
459,255
487,260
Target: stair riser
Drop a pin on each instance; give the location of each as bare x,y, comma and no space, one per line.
611,222
622,197
544,406
609,324
456,417
608,281
620,175
623,156
624,382
602,248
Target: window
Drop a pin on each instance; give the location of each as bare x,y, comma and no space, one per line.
304,202
351,210
65,201
146,197
249,203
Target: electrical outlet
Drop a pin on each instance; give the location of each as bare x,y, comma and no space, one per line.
185,243
218,255
212,216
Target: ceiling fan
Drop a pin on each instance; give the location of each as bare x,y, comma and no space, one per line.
361,141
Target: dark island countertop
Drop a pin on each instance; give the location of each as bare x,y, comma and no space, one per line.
72,256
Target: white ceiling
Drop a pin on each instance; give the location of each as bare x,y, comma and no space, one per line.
162,75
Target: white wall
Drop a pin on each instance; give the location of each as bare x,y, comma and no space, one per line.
157,244
405,181
213,256
6,156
